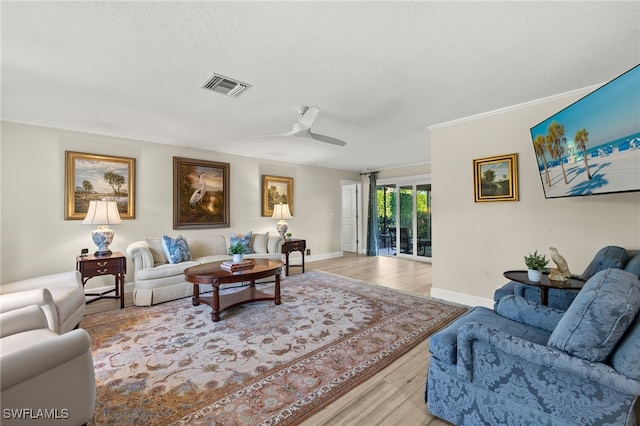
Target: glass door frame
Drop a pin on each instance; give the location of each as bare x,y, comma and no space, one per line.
412,181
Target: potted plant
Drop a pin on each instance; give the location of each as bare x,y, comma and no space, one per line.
535,263
237,250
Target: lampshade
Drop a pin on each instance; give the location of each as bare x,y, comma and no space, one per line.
281,212
103,214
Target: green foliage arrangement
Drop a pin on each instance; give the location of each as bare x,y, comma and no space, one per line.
237,248
536,261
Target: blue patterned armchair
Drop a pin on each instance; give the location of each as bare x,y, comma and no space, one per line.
525,363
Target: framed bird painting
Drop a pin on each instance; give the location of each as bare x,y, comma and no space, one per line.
200,194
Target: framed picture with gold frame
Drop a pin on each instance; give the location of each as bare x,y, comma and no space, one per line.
496,178
98,177
276,190
200,194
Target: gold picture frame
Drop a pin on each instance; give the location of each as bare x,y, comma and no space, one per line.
496,178
275,190
200,194
98,177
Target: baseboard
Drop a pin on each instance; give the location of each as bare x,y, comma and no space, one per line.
461,298
324,256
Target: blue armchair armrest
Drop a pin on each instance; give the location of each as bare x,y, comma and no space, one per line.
536,357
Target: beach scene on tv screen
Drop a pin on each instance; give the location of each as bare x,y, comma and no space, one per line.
593,146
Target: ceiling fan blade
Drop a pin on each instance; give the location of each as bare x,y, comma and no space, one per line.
293,132
308,116
327,139
303,127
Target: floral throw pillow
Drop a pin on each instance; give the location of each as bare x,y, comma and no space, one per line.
244,239
176,249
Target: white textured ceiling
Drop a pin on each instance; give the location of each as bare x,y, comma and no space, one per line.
380,72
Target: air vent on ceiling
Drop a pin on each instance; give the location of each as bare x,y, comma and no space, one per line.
225,85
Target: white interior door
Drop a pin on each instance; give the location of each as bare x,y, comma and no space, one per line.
350,218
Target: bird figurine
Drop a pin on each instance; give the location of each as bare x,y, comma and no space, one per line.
561,272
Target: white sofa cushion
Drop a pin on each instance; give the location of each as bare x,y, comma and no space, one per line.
157,251
259,243
166,270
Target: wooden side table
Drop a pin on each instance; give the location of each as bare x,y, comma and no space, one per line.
573,283
95,266
290,245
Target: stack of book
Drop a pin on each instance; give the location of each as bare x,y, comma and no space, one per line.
230,265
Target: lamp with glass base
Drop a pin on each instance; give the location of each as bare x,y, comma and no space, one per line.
103,214
281,212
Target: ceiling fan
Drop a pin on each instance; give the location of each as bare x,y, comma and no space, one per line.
303,127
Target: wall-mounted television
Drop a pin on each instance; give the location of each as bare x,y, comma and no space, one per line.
593,145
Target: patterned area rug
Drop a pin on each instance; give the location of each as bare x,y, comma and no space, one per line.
261,364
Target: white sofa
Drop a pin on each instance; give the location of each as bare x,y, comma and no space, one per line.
61,297
43,370
156,280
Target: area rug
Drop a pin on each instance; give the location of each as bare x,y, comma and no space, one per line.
261,364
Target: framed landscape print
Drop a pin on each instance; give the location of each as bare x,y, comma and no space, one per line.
496,178
200,194
98,177
276,190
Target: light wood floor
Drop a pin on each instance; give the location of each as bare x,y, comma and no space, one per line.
394,396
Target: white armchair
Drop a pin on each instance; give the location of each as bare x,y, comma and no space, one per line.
61,297
44,373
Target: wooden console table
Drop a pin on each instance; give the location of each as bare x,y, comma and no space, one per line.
94,266
573,283
290,245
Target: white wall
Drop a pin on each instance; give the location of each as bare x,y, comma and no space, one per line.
474,243
35,239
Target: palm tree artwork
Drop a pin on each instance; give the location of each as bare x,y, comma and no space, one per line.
555,144
539,144
581,139
115,181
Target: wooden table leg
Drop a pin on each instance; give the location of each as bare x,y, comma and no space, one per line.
215,313
276,294
120,289
544,296
195,301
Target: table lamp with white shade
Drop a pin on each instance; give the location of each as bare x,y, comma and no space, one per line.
281,212
103,214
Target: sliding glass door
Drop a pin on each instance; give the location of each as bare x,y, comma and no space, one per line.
405,213
404,218
423,220
387,219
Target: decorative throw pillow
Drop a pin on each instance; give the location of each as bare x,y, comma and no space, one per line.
599,316
176,249
244,239
259,243
157,251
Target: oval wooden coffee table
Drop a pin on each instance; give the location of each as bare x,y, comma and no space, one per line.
212,274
